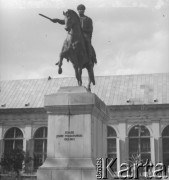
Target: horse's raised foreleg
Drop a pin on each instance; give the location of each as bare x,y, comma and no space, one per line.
60,62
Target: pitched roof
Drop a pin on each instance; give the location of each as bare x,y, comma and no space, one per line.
113,90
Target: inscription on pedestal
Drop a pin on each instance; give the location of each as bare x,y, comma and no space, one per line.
69,136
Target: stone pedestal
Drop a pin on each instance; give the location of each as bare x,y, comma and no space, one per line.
76,132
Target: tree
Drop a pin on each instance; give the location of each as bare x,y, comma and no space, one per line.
12,161
28,160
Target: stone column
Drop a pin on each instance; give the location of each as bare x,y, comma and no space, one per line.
123,142
29,146
27,129
155,143
76,119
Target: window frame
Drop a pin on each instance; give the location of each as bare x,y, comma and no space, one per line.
43,153
14,139
139,137
114,138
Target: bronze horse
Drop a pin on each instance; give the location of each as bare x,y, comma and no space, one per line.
74,49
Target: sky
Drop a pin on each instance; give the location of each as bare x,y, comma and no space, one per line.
129,37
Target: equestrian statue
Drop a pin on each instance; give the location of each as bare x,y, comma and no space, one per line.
77,46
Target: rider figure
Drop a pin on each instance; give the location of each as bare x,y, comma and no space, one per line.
87,28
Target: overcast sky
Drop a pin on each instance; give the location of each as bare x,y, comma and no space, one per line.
130,37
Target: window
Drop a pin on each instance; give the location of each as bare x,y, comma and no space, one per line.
111,144
165,144
139,143
13,139
40,146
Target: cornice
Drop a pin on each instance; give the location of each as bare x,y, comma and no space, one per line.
141,107
22,110
110,108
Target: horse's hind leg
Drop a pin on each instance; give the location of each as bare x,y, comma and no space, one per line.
91,72
88,86
89,79
90,75
77,74
80,76
89,83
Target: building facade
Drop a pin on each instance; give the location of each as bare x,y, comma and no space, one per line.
138,125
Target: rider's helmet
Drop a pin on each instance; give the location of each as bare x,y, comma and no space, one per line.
81,7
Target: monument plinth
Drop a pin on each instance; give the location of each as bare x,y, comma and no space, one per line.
76,126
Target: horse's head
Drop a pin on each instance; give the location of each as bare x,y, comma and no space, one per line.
71,18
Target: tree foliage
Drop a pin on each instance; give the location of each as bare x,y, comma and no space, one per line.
13,160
